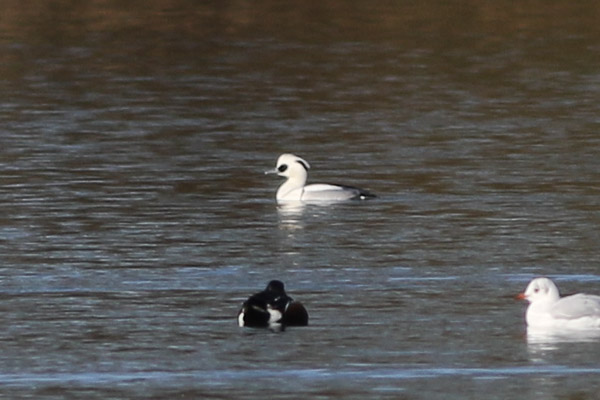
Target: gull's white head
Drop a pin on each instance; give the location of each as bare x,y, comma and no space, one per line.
541,290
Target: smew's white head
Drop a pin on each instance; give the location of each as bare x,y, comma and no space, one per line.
295,169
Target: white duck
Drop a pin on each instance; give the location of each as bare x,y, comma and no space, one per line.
547,310
295,169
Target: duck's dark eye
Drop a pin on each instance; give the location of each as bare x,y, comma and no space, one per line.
282,168
536,290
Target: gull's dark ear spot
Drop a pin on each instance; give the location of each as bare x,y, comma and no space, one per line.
303,164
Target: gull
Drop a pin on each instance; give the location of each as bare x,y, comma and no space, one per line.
295,169
548,311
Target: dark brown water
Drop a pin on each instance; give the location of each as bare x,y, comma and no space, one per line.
136,216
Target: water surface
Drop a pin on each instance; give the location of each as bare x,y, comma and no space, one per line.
137,218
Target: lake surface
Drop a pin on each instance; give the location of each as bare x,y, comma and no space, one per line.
136,216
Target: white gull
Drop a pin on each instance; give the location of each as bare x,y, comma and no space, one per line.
548,311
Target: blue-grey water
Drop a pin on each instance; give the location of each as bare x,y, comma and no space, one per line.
136,216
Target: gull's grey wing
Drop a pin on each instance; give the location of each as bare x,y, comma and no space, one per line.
577,306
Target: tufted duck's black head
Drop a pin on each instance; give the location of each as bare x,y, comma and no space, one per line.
272,308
